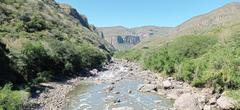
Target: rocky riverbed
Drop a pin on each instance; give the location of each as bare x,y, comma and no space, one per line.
117,83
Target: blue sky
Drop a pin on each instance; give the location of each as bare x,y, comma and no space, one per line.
134,13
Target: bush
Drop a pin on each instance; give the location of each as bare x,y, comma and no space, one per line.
35,62
9,2
11,100
74,57
91,57
36,24
218,68
171,54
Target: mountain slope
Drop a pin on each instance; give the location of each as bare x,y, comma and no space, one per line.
226,15
47,40
220,19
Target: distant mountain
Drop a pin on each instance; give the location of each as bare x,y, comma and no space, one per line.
124,38
154,35
223,17
226,15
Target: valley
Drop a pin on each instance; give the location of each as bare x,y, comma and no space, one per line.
53,58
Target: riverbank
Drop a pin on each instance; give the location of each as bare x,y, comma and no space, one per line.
185,96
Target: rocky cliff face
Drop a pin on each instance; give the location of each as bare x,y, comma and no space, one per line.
81,18
128,39
73,12
119,35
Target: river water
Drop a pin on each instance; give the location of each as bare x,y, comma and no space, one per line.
91,95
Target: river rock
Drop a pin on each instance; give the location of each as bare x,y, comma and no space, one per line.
129,91
207,107
147,88
117,100
170,78
109,99
187,101
123,108
116,92
108,88
175,93
212,100
94,72
167,84
208,90
225,102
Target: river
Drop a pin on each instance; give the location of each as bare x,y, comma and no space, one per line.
116,86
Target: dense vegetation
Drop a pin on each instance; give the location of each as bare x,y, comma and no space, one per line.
11,100
201,60
40,42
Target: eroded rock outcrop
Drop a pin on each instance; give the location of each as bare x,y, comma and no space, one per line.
73,12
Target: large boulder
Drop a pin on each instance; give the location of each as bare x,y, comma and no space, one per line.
187,101
147,88
225,102
123,108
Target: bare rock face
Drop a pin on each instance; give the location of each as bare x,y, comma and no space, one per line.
73,12
225,102
129,37
187,102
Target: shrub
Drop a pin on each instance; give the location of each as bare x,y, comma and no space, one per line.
71,57
36,62
11,100
91,56
218,68
9,2
36,24
171,54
